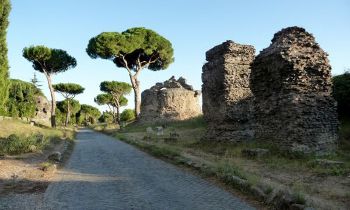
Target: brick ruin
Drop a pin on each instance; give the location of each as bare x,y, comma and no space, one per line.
171,100
226,92
287,100
291,82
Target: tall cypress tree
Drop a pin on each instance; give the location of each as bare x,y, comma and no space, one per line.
5,7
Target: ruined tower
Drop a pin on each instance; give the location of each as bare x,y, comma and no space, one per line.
227,99
291,83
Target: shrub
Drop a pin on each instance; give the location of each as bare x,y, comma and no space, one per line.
106,117
61,111
341,93
15,144
127,115
87,115
21,102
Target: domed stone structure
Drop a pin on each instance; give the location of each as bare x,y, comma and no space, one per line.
171,100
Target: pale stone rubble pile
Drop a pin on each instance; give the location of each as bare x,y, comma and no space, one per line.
171,100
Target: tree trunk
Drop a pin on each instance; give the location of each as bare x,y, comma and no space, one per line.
118,116
137,95
111,109
117,106
53,100
114,115
68,113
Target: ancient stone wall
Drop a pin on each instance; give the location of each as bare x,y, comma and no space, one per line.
227,98
291,83
170,101
283,96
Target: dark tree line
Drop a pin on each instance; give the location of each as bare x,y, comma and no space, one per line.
5,8
341,93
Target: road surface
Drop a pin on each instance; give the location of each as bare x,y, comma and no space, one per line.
104,173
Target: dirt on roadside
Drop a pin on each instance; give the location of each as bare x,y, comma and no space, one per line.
29,173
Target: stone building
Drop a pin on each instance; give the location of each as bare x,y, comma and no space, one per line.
291,83
227,99
171,100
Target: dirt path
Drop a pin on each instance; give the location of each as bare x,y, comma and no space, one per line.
104,173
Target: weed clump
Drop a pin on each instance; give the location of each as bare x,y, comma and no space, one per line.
15,144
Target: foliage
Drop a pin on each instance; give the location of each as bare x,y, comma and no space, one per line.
106,117
74,106
137,46
123,101
104,99
22,99
68,90
88,114
49,60
341,93
134,50
127,115
5,8
115,88
107,99
62,108
36,82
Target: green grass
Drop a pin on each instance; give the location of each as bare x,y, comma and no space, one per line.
156,150
17,137
8,127
15,144
190,132
278,159
197,122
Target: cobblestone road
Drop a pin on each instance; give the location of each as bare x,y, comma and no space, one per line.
103,173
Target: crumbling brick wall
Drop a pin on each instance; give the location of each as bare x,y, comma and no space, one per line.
281,96
226,93
291,83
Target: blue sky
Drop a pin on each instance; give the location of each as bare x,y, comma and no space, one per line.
192,26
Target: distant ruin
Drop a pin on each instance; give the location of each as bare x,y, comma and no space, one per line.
287,101
227,99
171,100
42,109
